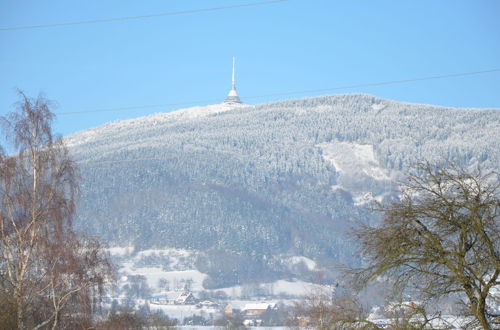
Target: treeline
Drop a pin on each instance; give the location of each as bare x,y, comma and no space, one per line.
253,181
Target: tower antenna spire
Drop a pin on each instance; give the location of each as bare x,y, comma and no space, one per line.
234,73
233,97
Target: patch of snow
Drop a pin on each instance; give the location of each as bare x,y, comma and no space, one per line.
259,305
378,106
120,251
353,158
359,171
170,251
182,311
311,264
336,187
211,327
297,288
154,274
285,287
366,198
445,322
195,112
243,303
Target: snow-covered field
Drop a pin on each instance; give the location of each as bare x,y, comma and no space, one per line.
179,258
174,260
445,322
176,266
182,311
200,327
311,264
181,272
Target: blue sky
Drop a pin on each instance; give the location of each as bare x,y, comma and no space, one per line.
282,47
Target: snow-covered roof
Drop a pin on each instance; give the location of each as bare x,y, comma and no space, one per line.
184,296
170,295
259,306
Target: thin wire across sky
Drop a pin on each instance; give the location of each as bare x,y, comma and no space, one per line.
302,92
129,18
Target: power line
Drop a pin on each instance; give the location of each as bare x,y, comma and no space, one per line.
308,91
138,107
382,83
128,18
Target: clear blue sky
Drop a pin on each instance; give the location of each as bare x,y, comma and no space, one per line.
282,47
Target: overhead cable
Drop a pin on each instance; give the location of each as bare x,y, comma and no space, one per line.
308,91
382,83
129,18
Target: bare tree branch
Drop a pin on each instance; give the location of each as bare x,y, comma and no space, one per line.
45,267
443,235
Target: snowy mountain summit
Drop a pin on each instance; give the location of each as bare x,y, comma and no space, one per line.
252,186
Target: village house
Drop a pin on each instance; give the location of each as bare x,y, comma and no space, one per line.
257,309
185,298
174,298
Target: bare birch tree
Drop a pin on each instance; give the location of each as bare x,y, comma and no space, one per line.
45,267
442,237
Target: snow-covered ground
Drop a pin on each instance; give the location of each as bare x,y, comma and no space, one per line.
311,264
182,311
173,266
445,322
201,327
277,288
359,170
177,259
176,266
155,274
152,120
352,158
176,270
201,111
120,251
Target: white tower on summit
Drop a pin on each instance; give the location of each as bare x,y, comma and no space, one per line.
233,97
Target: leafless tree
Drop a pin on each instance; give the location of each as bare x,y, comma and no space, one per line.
45,267
442,237
324,311
410,315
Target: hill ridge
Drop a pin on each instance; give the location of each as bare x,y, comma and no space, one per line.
250,184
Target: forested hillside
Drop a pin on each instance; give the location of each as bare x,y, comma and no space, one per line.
252,184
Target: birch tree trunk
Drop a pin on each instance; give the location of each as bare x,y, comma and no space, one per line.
42,261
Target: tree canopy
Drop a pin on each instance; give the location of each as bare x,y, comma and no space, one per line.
442,237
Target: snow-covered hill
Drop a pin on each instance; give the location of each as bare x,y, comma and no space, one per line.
253,186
